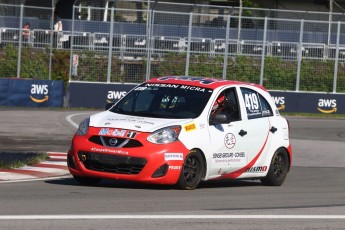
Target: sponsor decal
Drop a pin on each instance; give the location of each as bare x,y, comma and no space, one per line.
229,158
257,169
112,132
204,81
277,112
140,88
175,167
162,85
229,155
131,134
327,105
280,102
117,151
173,156
39,91
266,113
192,88
187,87
133,120
229,140
190,127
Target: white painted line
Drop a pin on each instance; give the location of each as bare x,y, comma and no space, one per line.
62,163
35,179
43,169
79,217
58,157
69,119
60,153
14,176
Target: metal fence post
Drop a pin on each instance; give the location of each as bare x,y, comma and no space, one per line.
299,55
336,60
110,51
189,42
51,43
71,45
226,51
149,44
20,40
262,69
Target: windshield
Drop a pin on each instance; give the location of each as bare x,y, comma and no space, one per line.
164,101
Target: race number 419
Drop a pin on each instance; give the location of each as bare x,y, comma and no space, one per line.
251,101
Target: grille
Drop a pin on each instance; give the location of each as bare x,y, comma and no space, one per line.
112,163
121,142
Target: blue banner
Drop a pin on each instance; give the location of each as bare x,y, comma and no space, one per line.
96,95
32,93
302,102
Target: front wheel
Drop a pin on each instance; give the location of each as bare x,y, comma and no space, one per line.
193,171
90,181
279,169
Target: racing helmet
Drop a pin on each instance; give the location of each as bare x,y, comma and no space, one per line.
218,103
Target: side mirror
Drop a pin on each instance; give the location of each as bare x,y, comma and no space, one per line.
108,106
219,118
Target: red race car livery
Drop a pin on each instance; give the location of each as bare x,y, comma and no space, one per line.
183,130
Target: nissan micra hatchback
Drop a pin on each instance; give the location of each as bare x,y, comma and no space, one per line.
183,130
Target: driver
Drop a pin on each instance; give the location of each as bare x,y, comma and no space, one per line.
218,104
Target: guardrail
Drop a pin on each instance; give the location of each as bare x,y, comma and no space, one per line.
136,45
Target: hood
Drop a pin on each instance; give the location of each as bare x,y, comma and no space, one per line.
108,119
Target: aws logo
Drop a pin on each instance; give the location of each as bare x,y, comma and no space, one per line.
280,102
39,91
327,105
115,95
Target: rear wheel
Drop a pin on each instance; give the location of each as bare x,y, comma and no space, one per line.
279,169
87,180
193,171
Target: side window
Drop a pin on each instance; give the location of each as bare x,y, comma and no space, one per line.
256,105
227,103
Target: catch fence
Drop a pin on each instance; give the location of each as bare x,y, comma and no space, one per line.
132,45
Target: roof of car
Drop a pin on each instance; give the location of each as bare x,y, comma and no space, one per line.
205,82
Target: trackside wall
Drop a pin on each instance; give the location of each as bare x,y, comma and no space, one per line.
97,95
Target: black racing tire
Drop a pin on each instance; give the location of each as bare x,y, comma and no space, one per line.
278,170
90,181
193,171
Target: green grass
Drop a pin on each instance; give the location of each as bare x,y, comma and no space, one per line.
24,162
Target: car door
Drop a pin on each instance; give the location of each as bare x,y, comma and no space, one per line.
227,148
244,142
256,126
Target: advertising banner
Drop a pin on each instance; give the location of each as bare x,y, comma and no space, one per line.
95,95
302,102
32,93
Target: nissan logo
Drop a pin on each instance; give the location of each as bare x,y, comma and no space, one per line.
112,142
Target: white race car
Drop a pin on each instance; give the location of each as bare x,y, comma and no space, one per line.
182,130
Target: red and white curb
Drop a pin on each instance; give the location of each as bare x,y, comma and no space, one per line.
55,166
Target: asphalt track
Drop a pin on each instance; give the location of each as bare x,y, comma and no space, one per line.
312,197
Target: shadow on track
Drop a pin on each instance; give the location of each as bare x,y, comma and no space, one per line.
105,183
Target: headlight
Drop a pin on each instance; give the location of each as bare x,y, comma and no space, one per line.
165,135
83,127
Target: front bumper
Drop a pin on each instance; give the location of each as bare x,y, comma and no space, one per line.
149,163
